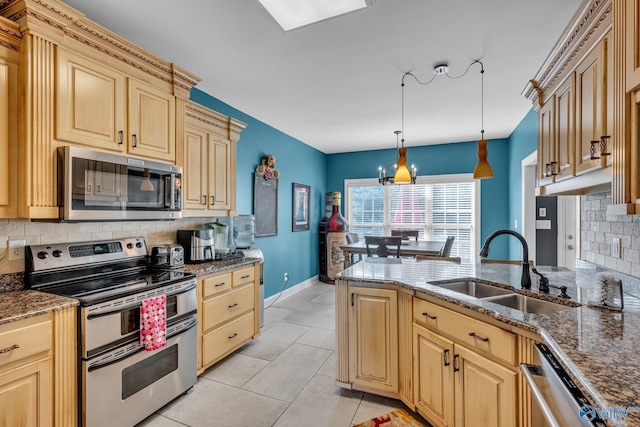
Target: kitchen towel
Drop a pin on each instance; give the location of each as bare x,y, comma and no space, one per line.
153,323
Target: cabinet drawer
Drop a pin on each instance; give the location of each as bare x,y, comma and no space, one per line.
225,339
219,309
28,337
246,275
472,333
216,284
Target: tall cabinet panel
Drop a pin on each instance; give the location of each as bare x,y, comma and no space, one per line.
9,43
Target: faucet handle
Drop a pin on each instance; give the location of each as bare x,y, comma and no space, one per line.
544,282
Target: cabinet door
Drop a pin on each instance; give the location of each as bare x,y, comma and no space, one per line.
565,126
219,173
151,124
546,139
195,170
591,106
26,395
8,119
632,36
91,103
433,376
373,338
485,391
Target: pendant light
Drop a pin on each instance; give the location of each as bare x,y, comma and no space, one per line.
403,175
483,168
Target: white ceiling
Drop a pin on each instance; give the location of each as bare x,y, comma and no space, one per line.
335,85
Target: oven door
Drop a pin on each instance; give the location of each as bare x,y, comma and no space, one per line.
118,321
127,384
103,186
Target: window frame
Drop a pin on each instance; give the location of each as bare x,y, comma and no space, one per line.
427,180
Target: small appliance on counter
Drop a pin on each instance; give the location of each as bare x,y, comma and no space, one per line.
199,245
167,256
222,236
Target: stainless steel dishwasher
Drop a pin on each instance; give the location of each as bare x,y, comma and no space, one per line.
557,400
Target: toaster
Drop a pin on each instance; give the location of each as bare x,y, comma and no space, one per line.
167,256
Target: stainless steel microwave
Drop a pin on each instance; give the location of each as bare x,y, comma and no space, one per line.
97,186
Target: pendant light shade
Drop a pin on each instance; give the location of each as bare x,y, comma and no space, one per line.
483,168
403,176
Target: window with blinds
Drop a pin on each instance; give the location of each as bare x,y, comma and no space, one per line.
436,206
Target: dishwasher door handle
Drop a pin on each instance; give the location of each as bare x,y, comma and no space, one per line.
529,371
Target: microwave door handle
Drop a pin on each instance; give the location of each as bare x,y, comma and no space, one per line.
172,186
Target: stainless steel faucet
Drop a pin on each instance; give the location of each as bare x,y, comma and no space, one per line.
525,280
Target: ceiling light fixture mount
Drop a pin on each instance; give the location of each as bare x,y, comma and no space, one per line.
441,69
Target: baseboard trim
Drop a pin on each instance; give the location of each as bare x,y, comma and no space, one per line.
291,291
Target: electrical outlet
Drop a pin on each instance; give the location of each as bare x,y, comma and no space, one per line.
286,277
616,250
16,249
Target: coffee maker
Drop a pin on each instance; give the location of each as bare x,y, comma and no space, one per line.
199,245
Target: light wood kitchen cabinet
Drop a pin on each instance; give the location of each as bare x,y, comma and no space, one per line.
209,157
573,96
460,377
9,51
228,304
373,339
37,371
631,25
82,84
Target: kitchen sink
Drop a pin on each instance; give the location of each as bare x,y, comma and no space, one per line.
474,289
529,304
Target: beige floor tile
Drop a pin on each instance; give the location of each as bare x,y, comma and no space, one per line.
321,404
318,320
235,369
301,305
329,367
274,340
214,404
156,420
285,376
317,337
273,315
327,297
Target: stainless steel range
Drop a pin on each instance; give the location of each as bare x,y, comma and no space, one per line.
120,382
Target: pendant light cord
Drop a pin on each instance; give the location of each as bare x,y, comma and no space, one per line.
481,98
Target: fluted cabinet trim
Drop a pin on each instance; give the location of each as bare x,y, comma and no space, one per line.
65,368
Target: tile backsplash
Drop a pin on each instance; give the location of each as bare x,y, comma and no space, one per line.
36,233
599,229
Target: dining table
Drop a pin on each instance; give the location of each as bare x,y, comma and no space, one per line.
407,248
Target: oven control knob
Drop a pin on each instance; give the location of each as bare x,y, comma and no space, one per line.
129,245
43,255
138,245
57,253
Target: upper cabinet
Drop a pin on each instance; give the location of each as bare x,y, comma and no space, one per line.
573,96
209,162
81,84
10,39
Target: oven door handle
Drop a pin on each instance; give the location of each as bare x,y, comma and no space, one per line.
126,356
129,307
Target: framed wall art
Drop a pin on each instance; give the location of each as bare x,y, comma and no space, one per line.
300,212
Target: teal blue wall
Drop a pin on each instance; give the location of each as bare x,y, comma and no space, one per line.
297,253
294,253
440,160
522,142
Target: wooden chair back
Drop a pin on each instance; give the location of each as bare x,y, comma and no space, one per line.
383,244
446,248
406,234
352,238
455,259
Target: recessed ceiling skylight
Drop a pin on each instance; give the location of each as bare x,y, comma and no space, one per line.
292,14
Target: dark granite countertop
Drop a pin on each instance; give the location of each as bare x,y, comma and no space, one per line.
18,305
599,348
218,266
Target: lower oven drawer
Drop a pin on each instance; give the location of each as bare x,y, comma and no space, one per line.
226,338
123,392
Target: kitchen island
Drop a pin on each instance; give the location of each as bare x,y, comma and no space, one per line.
597,347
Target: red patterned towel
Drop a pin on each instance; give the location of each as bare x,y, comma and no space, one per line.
153,323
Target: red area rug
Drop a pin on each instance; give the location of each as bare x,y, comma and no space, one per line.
399,418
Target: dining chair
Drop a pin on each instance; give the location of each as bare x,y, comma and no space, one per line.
382,244
455,259
353,238
446,248
406,234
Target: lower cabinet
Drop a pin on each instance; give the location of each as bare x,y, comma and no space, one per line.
37,371
227,313
373,339
457,386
